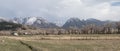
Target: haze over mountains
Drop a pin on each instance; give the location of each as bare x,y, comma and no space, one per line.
43,23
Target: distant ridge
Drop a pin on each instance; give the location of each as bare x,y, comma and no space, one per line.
36,22
40,22
77,23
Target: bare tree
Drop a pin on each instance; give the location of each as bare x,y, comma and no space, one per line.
118,27
107,28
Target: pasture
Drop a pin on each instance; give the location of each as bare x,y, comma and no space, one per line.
83,42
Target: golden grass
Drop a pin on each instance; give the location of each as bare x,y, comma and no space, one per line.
93,42
67,37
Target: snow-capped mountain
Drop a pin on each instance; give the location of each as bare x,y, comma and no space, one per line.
28,20
42,23
73,23
18,20
77,23
36,22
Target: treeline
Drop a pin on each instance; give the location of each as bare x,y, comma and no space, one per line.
9,26
108,28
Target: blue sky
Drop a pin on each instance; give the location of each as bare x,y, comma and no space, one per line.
59,11
116,3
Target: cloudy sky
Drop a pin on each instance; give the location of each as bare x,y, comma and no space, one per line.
61,10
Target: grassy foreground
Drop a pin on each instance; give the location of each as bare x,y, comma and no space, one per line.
12,45
33,43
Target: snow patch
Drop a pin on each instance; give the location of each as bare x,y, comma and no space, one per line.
31,20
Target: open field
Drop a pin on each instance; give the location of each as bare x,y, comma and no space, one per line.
68,37
93,42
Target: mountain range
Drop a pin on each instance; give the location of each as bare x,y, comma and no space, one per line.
77,23
36,22
40,22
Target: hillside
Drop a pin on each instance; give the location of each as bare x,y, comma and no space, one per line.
77,23
38,22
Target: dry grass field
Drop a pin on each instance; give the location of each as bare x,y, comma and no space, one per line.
108,42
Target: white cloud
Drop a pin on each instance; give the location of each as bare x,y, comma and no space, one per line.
61,9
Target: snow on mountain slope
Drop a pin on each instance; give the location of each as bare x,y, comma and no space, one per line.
18,20
35,21
30,20
25,20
